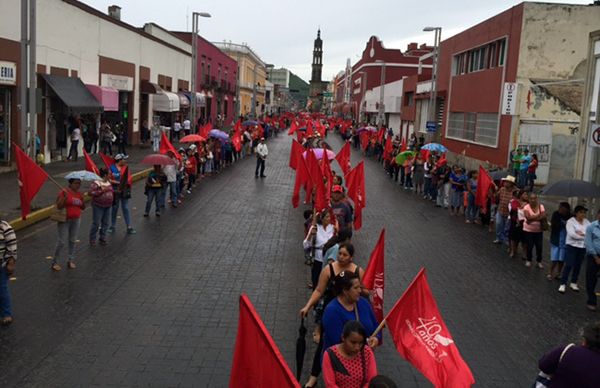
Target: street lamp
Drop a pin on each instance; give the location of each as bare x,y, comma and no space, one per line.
195,16
434,73
381,110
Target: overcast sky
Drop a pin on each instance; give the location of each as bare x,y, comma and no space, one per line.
282,32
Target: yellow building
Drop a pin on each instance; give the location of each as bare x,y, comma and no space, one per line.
252,73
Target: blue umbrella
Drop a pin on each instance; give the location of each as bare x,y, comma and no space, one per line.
249,122
82,175
218,134
435,147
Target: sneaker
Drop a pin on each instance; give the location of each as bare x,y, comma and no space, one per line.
102,242
110,230
540,265
528,264
145,214
71,264
131,231
55,267
467,222
92,243
189,191
496,241
157,214
591,307
562,288
574,287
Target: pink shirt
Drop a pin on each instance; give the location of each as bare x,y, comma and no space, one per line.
533,226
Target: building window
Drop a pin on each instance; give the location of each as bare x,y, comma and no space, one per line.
481,58
410,96
481,128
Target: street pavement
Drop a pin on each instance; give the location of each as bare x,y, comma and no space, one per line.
160,308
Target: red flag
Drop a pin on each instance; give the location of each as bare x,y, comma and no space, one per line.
364,140
315,181
423,339
343,158
236,140
374,279
108,161
203,131
257,361
293,128
89,163
380,135
166,146
356,191
302,178
238,126
327,175
296,149
484,182
403,146
31,178
388,149
425,154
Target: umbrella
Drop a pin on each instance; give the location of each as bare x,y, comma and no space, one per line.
249,122
402,156
154,159
303,129
300,349
435,147
319,153
193,138
82,175
499,174
572,188
218,134
368,128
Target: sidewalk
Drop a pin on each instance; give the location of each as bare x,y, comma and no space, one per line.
10,207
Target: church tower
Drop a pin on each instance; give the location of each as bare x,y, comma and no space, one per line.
317,63
317,86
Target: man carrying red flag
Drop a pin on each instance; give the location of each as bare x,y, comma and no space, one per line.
31,178
423,339
257,361
373,278
343,158
356,191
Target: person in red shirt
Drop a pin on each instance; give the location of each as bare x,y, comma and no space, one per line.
531,176
71,200
191,167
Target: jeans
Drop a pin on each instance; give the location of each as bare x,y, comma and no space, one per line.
106,147
500,227
472,210
5,306
427,187
73,150
126,213
530,180
100,217
70,228
523,178
153,195
260,164
443,195
534,239
573,259
172,188
155,144
591,279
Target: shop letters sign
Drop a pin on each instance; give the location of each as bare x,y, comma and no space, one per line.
8,73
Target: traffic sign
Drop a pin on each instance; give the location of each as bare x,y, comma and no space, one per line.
595,135
431,126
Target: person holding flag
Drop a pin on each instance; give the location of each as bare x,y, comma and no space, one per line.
102,194
121,181
71,200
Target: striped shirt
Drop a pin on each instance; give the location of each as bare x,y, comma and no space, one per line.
8,243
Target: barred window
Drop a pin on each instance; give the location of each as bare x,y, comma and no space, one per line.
481,128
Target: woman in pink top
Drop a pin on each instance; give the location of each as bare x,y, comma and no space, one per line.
534,213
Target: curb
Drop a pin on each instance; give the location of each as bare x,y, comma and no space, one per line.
42,214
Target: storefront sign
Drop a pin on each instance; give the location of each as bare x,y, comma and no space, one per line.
8,73
509,98
118,82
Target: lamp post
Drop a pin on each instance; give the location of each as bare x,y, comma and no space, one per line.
381,110
434,74
195,16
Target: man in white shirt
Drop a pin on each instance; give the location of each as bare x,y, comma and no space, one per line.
75,137
187,126
261,155
176,129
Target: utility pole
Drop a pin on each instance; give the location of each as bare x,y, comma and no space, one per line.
32,78
194,80
381,110
23,73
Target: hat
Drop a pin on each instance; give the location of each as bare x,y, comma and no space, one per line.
193,147
510,179
262,139
337,189
579,208
121,157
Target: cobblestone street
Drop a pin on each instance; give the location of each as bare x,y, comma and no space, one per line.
160,308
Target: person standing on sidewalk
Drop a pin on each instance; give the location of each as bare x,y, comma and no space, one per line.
121,182
8,257
106,138
170,171
261,155
504,196
574,248
75,137
154,188
592,247
72,201
534,213
102,195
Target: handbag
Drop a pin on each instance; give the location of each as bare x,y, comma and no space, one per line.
543,379
544,224
59,215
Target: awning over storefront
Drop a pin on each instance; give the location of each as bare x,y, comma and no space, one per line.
108,97
148,87
73,93
184,102
200,98
165,102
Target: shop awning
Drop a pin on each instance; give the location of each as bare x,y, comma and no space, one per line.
184,102
108,97
165,102
73,93
148,87
200,98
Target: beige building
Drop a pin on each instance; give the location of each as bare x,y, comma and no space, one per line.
252,78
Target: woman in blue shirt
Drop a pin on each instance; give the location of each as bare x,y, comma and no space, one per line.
348,306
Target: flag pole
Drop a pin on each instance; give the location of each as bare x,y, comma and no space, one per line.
381,326
55,182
